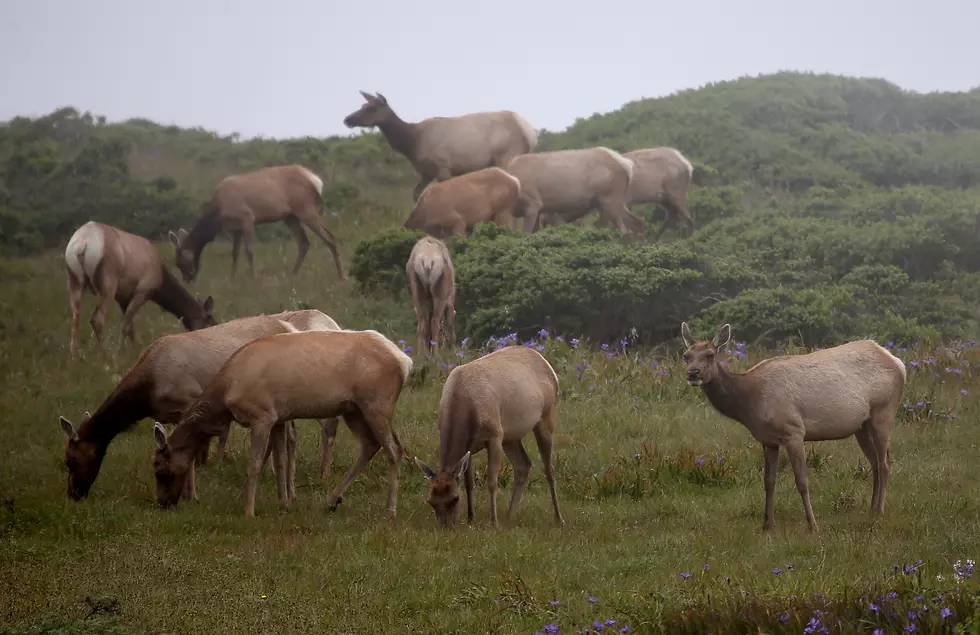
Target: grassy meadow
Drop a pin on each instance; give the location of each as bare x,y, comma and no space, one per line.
662,498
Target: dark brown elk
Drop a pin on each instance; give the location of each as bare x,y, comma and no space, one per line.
568,184
432,279
169,376
454,206
493,402
443,147
289,193
115,265
849,390
358,375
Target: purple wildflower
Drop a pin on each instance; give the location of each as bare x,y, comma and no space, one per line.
874,608
592,600
551,629
543,333
945,612
699,462
597,626
777,571
554,603
783,618
685,576
707,568
539,348
625,629
964,392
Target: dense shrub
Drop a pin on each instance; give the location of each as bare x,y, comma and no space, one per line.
379,263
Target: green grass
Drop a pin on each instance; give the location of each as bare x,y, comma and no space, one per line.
633,525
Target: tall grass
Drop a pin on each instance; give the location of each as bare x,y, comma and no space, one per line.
662,498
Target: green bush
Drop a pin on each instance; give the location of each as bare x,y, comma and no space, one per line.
379,262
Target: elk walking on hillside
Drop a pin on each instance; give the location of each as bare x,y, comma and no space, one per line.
568,184
850,390
288,193
115,265
355,374
169,375
454,206
443,147
493,402
662,176
432,279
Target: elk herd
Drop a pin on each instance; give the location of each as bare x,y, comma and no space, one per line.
266,371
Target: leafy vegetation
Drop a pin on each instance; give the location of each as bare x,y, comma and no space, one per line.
828,208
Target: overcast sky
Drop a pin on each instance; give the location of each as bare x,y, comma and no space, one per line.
293,67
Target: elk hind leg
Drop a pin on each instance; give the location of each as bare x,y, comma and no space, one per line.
311,218
518,457
328,435
369,447
882,422
863,436
543,435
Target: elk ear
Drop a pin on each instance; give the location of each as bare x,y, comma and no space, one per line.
367,96
160,436
86,416
208,304
174,239
182,235
69,429
686,334
381,98
461,466
722,336
426,472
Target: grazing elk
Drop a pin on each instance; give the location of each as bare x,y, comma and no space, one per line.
493,402
662,176
115,265
355,374
169,376
288,193
443,147
432,279
850,390
454,206
567,184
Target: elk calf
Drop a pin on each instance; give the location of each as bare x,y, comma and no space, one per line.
850,390
493,402
432,279
117,265
311,375
454,206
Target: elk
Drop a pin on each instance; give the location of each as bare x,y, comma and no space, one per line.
849,390
288,193
358,375
493,402
662,176
115,265
454,206
567,184
443,147
432,279
167,378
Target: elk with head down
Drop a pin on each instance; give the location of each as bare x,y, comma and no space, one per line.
568,184
443,147
853,389
493,402
662,176
432,280
358,375
454,206
289,193
116,265
169,376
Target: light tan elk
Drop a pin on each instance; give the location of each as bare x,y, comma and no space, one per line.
662,176
850,390
568,184
432,279
355,374
493,402
169,376
115,265
454,206
443,147
289,193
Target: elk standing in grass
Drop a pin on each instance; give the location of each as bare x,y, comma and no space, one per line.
432,279
117,265
355,374
170,374
289,193
454,206
850,390
443,147
566,185
493,402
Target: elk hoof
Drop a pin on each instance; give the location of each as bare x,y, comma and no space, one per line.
332,507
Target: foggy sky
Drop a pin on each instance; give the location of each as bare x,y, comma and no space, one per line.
293,68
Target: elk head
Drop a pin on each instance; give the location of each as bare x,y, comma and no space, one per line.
83,460
444,491
184,258
170,469
701,358
374,112
202,317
